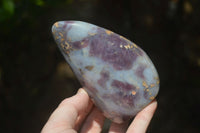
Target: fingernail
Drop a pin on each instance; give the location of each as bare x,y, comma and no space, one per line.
81,90
154,103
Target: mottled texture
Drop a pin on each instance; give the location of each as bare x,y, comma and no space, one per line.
116,73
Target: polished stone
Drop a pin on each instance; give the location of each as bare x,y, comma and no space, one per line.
117,74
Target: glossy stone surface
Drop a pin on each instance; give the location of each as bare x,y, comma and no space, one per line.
116,73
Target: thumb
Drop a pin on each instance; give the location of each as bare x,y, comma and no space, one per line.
66,114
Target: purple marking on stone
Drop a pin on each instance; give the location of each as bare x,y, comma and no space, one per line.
81,44
107,47
68,24
123,99
140,71
104,78
128,100
146,94
123,86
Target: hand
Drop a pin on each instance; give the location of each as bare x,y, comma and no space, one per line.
79,111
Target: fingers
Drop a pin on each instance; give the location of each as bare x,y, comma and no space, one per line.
72,111
65,116
118,128
94,122
142,119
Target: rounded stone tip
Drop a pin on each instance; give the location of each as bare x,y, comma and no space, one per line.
56,26
58,31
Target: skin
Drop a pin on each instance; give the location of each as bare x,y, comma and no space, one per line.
79,111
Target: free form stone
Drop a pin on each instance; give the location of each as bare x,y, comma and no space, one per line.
116,73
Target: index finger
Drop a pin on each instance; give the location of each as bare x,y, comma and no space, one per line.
142,119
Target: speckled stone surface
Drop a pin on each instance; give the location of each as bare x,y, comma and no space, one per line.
116,73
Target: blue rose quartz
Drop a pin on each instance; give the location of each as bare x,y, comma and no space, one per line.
116,73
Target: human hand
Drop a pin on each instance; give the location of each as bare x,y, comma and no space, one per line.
79,111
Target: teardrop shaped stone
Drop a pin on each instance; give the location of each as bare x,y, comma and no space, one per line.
117,74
